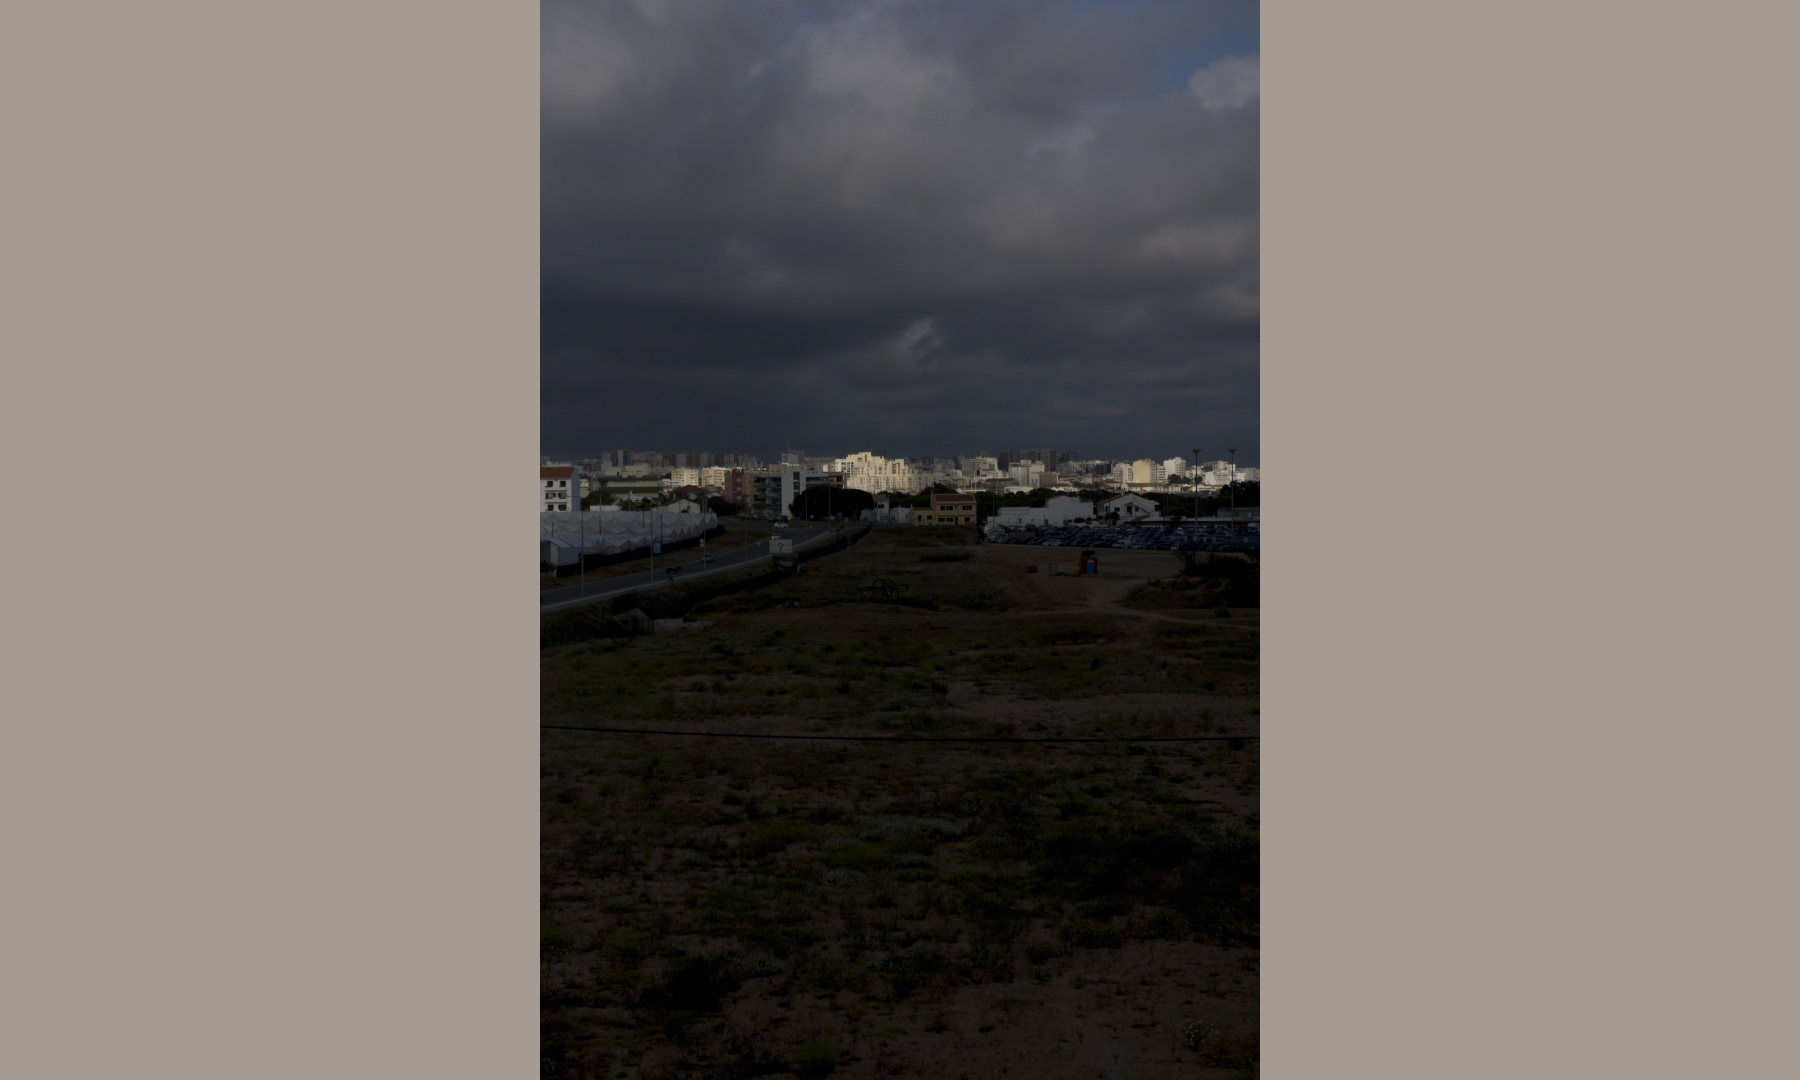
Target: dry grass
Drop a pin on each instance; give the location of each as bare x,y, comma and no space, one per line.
724,907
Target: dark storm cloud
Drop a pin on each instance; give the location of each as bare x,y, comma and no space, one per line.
927,226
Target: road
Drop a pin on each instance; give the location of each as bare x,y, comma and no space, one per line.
735,559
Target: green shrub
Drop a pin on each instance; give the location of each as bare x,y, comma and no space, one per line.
631,949
1222,1048
775,836
1092,934
554,939
1168,925
696,985
578,624
816,1060
861,856
979,600
830,976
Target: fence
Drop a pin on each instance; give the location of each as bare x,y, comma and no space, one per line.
597,621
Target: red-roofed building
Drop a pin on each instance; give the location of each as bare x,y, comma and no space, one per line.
559,488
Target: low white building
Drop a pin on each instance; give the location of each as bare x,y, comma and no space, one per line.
1130,508
683,506
1058,511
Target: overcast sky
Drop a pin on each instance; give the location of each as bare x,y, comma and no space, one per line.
928,227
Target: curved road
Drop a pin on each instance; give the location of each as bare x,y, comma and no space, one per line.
735,559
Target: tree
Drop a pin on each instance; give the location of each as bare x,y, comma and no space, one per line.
821,500
723,507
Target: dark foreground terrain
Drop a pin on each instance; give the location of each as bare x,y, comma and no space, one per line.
730,907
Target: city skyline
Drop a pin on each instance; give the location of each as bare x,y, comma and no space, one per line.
709,456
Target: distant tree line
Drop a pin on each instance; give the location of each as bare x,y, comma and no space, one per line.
820,501
1244,492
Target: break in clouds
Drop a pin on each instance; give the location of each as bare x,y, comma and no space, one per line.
926,227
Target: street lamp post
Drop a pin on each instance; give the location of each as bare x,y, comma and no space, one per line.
1233,488
1194,482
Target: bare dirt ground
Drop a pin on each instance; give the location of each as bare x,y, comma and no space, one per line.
722,907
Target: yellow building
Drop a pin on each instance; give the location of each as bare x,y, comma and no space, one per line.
946,510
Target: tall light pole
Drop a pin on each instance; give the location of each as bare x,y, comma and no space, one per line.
1194,482
1233,488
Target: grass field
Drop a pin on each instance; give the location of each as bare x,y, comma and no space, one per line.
727,907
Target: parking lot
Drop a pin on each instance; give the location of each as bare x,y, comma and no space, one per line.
1187,536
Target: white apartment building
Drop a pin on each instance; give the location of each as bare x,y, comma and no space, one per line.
773,491
1176,467
865,471
559,488
685,477
714,476
1027,474
1222,472
1145,471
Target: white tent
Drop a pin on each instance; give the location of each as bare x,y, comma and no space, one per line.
625,530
